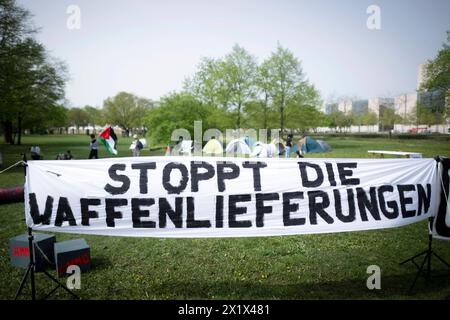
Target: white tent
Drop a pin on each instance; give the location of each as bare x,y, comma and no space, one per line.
213,147
183,149
264,150
238,146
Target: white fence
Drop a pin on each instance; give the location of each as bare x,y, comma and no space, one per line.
352,129
398,128
403,128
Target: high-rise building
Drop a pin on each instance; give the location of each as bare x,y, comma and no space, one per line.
421,75
375,104
360,107
405,104
345,106
330,108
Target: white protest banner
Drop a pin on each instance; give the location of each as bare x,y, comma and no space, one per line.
441,226
227,197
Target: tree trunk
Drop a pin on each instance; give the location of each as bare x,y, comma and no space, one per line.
282,116
239,116
7,133
19,130
265,111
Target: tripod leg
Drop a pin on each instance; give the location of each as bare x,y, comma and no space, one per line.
60,284
50,293
418,274
442,260
22,283
412,259
33,284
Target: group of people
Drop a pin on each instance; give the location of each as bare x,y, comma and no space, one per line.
65,156
35,151
290,144
93,154
138,146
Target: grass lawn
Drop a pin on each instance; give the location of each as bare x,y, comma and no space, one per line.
327,266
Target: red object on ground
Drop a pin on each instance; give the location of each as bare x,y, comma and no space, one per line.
11,195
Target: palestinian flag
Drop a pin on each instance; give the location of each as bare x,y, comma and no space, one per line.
109,139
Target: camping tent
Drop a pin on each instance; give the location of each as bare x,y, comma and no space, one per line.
309,145
279,146
184,148
238,146
264,150
249,141
213,147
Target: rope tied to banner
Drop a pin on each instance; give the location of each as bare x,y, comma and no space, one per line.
14,165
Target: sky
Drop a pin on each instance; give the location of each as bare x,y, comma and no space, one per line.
149,47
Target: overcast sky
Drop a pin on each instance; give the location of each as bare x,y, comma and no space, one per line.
149,47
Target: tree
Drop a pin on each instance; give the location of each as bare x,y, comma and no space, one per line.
31,82
356,119
59,118
36,87
264,86
14,27
258,114
424,115
126,110
78,117
429,116
369,118
207,84
95,116
437,71
239,71
227,83
303,117
436,86
286,77
388,118
302,111
236,87
340,120
176,111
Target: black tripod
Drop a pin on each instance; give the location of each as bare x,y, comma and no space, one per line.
31,266
30,271
428,253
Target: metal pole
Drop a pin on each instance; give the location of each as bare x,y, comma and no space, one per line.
429,254
32,263
30,242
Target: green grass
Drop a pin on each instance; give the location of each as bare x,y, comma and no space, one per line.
326,266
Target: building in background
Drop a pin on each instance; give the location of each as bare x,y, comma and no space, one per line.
345,106
377,104
405,105
329,108
421,75
359,107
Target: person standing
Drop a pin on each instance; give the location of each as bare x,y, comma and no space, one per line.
289,145
137,146
35,153
94,148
